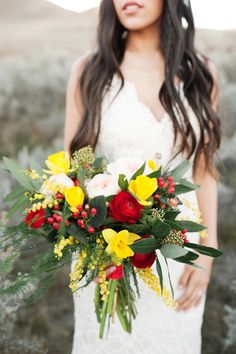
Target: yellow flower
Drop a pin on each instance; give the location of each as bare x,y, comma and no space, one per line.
118,242
152,165
143,187
74,196
58,163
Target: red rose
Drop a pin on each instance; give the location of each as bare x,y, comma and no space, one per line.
125,208
36,219
143,261
117,274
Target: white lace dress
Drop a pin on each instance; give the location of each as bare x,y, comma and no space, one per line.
129,128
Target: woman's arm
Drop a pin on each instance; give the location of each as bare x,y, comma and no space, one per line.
74,107
195,281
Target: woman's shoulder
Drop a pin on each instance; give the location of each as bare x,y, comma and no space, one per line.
80,62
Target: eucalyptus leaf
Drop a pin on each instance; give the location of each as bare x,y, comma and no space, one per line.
180,170
172,251
15,194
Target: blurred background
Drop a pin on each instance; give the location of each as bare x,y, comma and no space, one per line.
38,44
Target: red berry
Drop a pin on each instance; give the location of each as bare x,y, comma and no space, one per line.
171,190
90,229
84,214
159,179
67,222
56,226
58,218
75,215
170,178
87,207
184,231
51,220
93,211
59,196
172,184
80,207
56,207
165,185
54,216
163,206
156,196
80,222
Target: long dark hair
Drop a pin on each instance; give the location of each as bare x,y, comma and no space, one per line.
181,60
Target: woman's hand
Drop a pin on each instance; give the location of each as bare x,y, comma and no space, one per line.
194,282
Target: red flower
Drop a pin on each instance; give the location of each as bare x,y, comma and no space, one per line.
125,208
143,261
36,219
117,274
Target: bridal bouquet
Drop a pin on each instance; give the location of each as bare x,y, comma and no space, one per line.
116,218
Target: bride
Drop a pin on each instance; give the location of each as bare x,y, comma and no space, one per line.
146,92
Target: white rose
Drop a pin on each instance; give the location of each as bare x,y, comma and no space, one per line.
127,166
102,184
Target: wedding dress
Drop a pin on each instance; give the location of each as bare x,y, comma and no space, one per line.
129,128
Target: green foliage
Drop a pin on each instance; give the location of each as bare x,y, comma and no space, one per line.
172,251
123,182
18,174
145,245
98,203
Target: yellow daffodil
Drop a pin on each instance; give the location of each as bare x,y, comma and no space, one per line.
152,165
143,187
118,242
74,196
58,163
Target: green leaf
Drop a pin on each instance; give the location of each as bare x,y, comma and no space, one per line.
123,182
180,170
77,233
208,251
171,286
160,229
18,174
174,225
98,203
181,189
155,174
7,264
191,226
145,245
15,194
172,251
98,162
139,172
159,272
188,184
18,206
171,215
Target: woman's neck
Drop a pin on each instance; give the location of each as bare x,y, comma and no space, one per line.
144,41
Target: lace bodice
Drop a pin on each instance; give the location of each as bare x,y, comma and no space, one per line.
129,128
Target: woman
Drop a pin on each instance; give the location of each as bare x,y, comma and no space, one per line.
145,92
